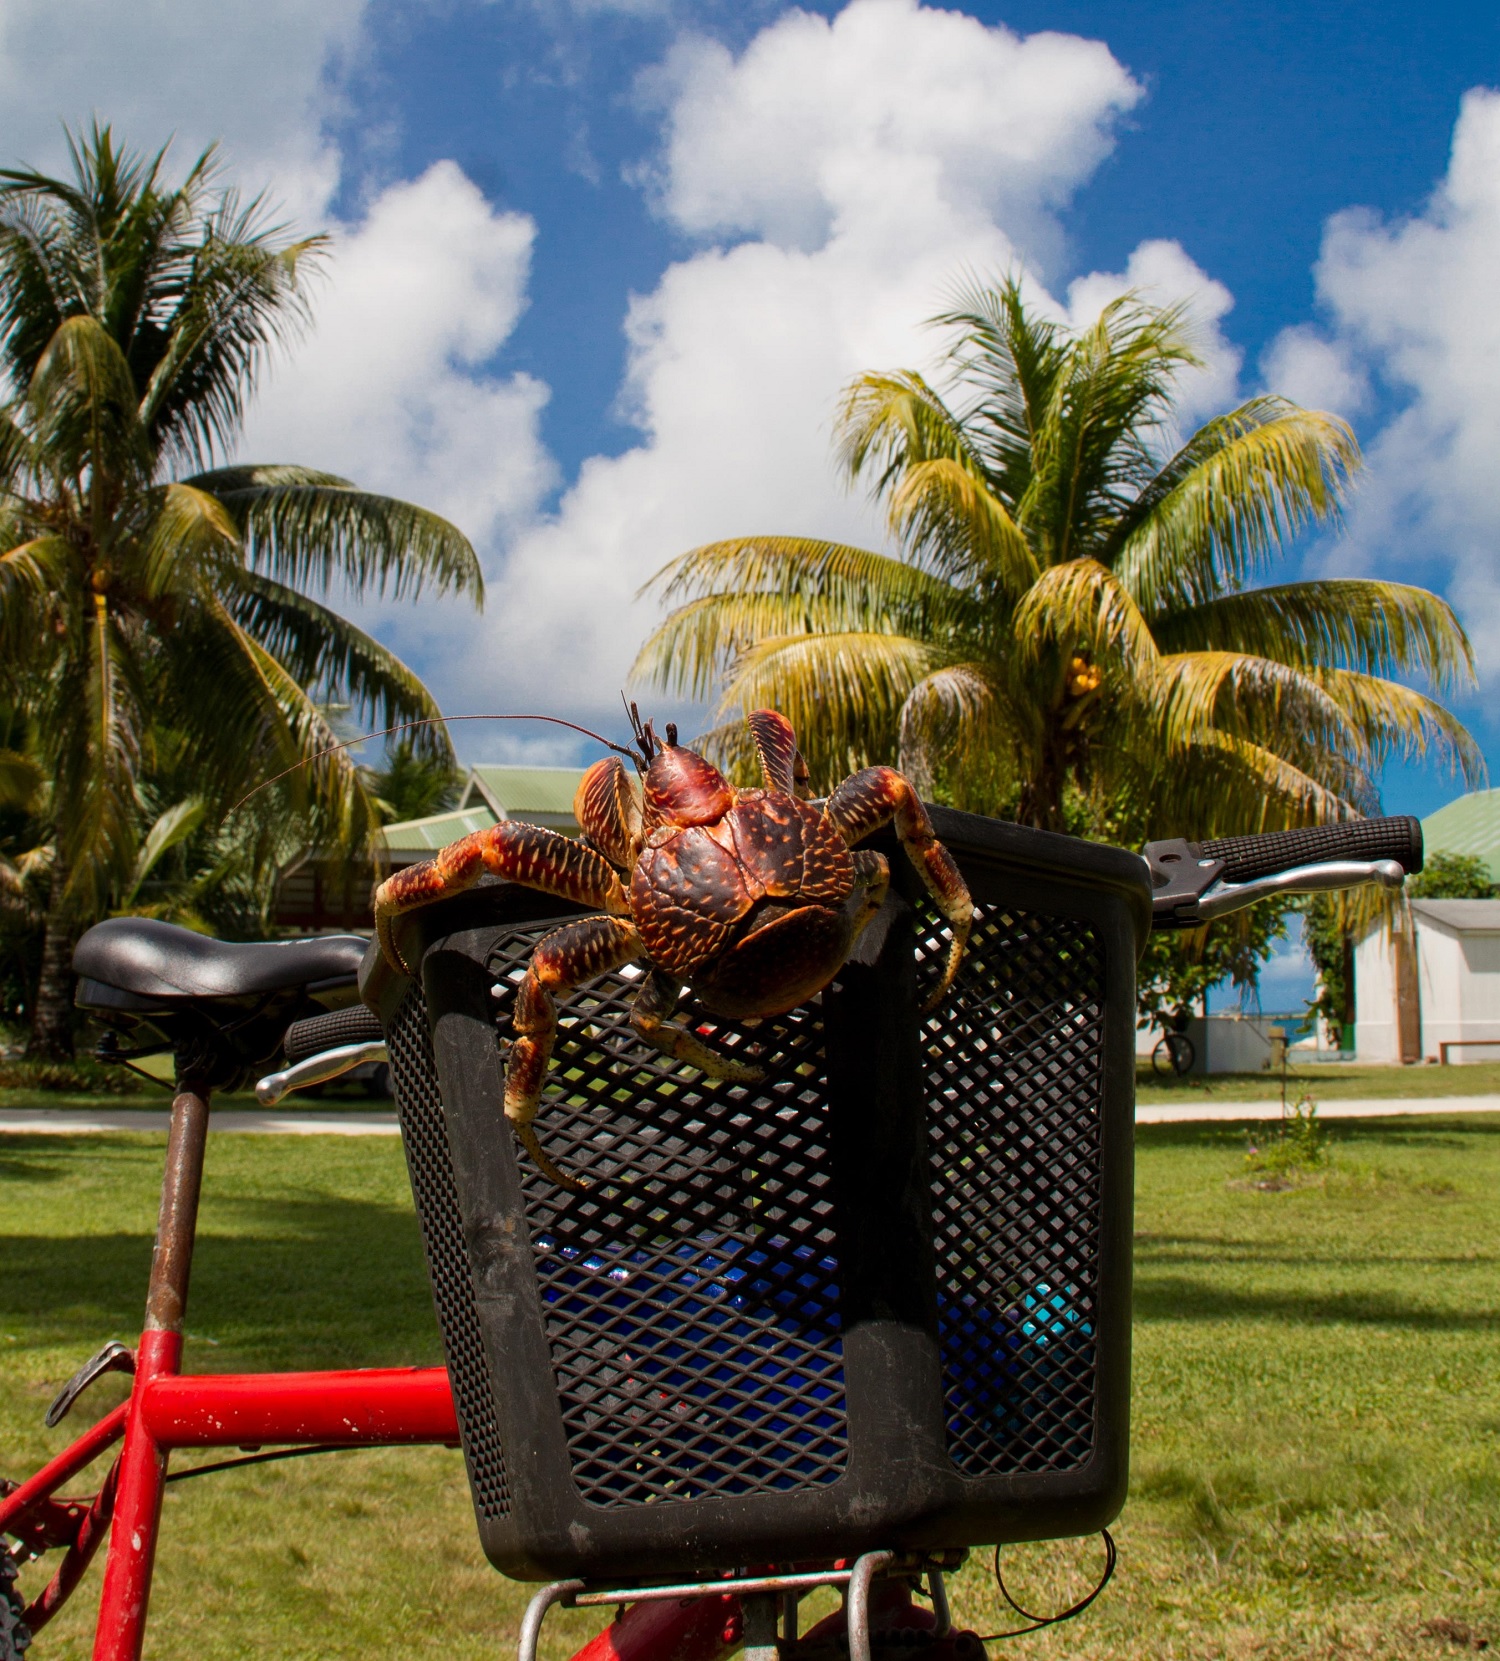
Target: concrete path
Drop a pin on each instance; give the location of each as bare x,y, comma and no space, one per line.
1373,1107
47,1121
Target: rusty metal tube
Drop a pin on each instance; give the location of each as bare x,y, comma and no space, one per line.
177,1225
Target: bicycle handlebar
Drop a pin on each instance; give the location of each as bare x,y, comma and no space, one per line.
322,1047
356,1025
1197,881
1247,857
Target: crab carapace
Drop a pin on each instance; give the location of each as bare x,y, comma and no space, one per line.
752,899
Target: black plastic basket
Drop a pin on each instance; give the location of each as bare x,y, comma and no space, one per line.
880,1300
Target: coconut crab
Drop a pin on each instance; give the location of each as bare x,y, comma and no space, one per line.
753,899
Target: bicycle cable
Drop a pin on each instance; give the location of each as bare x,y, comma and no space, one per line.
260,1459
1038,1622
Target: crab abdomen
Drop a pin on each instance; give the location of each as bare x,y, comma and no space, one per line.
780,965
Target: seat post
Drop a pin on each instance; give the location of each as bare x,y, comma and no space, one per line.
177,1224
143,1465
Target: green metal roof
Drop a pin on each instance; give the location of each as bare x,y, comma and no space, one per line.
436,831
1470,825
523,790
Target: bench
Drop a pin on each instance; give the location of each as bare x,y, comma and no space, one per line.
1459,1044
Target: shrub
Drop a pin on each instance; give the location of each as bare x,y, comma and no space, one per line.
1299,1146
80,1076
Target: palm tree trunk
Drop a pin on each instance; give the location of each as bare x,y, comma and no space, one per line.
52,1014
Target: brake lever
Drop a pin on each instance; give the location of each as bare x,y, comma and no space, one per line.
316,1069
1194,893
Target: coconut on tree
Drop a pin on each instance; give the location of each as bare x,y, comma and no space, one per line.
146,585
1074,631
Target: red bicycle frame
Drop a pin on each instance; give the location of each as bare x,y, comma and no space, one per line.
167,1411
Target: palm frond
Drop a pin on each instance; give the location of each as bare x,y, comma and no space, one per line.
30,577
1083,606
842,692
953,708
235,700
1236,493
1252,697
1397,720
81,402
319,648
191,542
95,799
894,422
20,779
170,828
944,512
730,595
322,534
1378,628
241,300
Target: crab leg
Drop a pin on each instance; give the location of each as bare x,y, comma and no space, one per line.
523,853
562,960
650,1015
876,797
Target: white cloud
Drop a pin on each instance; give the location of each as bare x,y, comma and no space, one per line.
890,121
1413,303
391,387
259,77
851,170
1317,373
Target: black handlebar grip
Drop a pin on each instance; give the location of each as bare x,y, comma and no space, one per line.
1247,857
355,1025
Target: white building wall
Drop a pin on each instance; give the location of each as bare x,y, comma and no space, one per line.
1375,1035
1479,998
1458,979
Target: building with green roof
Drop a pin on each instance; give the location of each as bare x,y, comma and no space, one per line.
1432,991
1470,825
535,795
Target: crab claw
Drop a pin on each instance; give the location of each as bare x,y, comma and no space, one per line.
527,1137
385,917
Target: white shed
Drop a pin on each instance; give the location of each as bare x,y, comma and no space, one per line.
1457,1002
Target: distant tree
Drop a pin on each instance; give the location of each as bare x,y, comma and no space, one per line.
142,585
1179,968
1446,876
413,783
1328,932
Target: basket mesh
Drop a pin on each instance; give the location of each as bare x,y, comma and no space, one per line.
425,1137
691,1295
1014,1097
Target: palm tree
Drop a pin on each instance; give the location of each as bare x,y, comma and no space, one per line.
142,585
1070,633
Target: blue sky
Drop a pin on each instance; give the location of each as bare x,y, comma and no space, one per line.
1259,122
602,265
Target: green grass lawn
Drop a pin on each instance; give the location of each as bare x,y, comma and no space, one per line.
1328,1081
1316,1421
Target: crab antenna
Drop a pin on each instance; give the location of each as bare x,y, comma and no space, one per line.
430,721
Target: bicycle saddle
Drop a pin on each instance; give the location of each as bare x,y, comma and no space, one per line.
147,959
